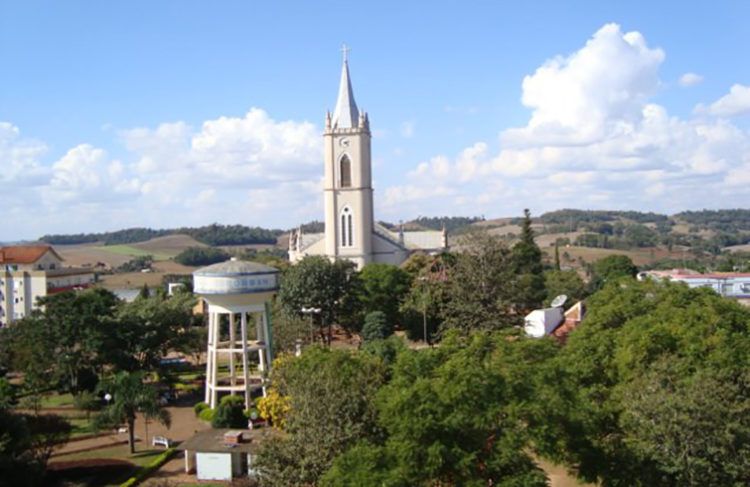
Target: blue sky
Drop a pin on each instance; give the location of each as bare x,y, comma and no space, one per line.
155,113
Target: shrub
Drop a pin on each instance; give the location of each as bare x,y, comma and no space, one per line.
207,415
150,468
230,413
199,408
376,327
274,408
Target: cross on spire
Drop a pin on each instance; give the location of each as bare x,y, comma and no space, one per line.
345,49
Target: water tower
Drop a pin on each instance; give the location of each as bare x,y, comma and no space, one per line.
239,296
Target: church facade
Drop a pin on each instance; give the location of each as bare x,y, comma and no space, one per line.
351,231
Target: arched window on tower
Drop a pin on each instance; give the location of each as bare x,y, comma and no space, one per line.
345,172
347,228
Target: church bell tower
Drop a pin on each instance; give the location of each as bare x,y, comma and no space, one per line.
348,178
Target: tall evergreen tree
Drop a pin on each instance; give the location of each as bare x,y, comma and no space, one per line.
527,259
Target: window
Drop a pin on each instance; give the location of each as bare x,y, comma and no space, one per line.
345,172
347,228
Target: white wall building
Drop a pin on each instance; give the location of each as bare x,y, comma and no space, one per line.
28,272
351,231
729,284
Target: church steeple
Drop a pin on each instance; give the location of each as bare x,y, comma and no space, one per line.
346,114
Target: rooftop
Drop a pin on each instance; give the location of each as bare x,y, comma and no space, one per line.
25,254
212,441
235,267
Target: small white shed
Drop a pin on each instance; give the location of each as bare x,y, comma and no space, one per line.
541,322
221,454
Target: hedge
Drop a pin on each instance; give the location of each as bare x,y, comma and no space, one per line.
150,468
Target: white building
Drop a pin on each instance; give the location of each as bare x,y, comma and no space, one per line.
351,231
729,284
28,272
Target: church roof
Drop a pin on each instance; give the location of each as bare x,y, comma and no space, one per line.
346,114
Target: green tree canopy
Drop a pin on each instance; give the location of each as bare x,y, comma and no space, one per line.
634,373
384,288
527,260
449,418
376,327
130,395
331,397
332,287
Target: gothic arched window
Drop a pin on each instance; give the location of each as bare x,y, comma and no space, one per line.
345,172
347,228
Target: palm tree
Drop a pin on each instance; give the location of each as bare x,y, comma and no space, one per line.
130,395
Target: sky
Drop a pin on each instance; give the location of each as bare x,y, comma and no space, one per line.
185,113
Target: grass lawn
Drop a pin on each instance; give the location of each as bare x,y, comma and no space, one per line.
133,251
106,478
57,400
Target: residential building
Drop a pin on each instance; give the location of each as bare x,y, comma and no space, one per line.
734,285
28,272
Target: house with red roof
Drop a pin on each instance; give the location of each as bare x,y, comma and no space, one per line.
28,272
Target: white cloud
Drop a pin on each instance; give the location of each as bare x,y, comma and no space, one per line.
250,169
690,79
736,102
595,138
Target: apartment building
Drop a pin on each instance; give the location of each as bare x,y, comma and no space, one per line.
28,272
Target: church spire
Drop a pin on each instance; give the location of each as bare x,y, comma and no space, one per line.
346,114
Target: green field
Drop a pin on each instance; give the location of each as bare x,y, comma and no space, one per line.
133,251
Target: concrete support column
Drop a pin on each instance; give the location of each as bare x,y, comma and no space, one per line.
245,371
232,376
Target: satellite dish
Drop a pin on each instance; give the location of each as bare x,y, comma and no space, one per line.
559,301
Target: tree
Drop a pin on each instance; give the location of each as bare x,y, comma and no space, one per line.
376,327
557,255
636,372
198,256
145,292
611,268
130,395
450,419
568,283
332,287
146,329
384,287
481,284
62,343
331,407
527,259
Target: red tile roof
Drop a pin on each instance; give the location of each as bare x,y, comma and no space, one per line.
25,254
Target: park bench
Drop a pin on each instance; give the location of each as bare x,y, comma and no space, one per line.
161,440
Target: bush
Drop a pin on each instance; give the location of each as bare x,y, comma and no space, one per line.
274,408
230,413
207,415
376,327
199,408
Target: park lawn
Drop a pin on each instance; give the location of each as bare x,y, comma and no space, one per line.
140,458
57,400
133,251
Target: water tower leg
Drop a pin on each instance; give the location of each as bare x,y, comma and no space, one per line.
245,372
232,376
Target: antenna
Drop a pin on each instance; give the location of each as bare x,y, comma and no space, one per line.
559,301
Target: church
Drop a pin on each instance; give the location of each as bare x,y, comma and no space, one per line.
351,231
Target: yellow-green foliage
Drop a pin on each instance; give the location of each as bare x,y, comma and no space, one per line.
274,407
207,414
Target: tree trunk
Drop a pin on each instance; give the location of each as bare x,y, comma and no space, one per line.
131,435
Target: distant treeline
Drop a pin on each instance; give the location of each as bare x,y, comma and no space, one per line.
450,223
719,220
567,216
214,234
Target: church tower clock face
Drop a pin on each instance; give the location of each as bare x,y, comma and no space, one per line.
344,142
